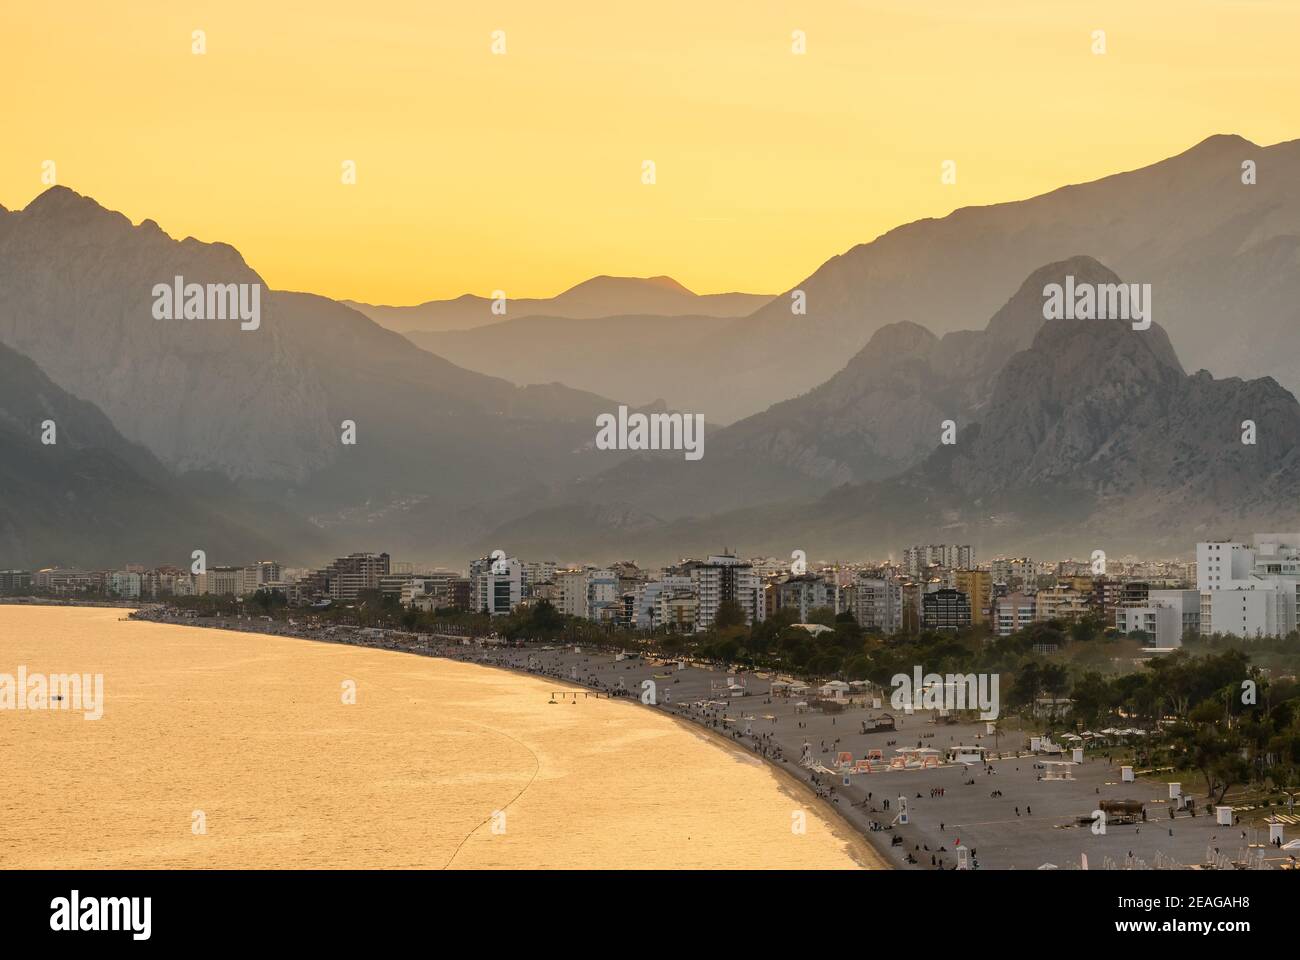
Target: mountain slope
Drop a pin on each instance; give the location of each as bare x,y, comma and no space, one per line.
93,498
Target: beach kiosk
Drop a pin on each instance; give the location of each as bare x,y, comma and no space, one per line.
1275,837
1126,774
964,754
1058,770
1077,754
834,690
1223,816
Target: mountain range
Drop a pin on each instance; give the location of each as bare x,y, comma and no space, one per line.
823,433
1090,437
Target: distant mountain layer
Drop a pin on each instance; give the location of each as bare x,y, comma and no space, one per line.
93,498
639,359
1222,256
878,416
1091,437
597,297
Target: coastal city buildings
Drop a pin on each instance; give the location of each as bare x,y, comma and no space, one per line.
1246,589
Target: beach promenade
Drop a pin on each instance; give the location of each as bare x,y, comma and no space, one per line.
1003,811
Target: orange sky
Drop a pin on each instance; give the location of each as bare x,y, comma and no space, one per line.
523,171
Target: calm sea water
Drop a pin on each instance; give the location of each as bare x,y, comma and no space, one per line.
223,749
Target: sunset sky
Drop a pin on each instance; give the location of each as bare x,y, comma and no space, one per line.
522,172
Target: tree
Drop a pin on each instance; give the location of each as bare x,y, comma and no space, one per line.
729,615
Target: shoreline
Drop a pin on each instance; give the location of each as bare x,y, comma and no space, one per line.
858,846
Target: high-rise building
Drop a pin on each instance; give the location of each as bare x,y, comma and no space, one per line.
958,556
878,603
497,584
348,576
258,575
725,578
978,586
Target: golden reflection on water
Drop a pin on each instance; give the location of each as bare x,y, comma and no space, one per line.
252,731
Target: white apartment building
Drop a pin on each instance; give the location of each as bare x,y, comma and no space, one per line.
805,593
124,583
650,613
538,572
602,593
1166,616
878,604
258,575
1249,589
571,592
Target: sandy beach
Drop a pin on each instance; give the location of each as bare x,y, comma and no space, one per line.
220,748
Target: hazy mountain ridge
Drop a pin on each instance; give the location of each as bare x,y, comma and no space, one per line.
636,358
601,296
878,416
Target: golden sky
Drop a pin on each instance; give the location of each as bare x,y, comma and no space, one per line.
523,171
